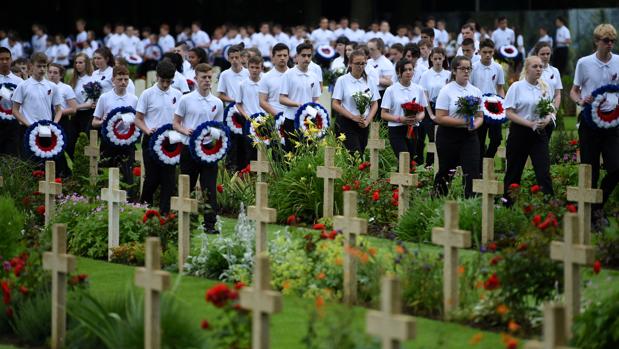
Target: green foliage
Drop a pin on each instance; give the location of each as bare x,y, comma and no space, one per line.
335,327
607,243
232,326
31,319
10,229
236,188
19,182
598,326
563,147
131,253
422,281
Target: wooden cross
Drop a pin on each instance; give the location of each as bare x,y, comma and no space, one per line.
154,281
404,179
351,226
114,196
554,329
451,238
573,255
375,144
1,181
185,205
261,165
139,157
489,187
262,215
501,153
389,323
585,196
50,188
262,301
329,172
92,152
60,264
432,149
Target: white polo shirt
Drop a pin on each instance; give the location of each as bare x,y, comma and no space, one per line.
301,87
9,79
369,35
346,85
263,43
448,97
403,40
62,50
166,43
180,82
591,73
200,38
316,70
36,99
503,37
39,43
67,93
356,35
322,37
552,77
81,37
486,77
110,101
116,43
384,67
196,109
248,96
337,63
523,98
397,94
158,106
104,78
271,85
561,37
80,95
418,72
229,82
432,82
388,38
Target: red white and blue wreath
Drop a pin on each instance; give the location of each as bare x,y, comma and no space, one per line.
209,142
134,59
233,119
508,52
119,128
6,106
163,149
45,140
312,119
603,112
326,53
492,107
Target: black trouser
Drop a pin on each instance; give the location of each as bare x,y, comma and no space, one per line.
399,142
494,133
10,138
594,142
80,122
123,158
290,135
456,147
157,175
426,128
523,142
237,157
356,137
208,182
559,58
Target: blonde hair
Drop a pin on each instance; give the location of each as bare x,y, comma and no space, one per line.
527,63
605,30
87,69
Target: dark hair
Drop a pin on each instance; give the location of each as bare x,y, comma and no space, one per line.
398,47
455,62
203,68
342,40
106,54
257,59
201,53
501,18
304,46
120,70
562,19
438,51
355,46
484,43
279,47
468,25
357,53
540,45
467,42
428,31
5,50
380,44
399,67
38,57
235,49
176,59
425,42
413,48
61,69
165,69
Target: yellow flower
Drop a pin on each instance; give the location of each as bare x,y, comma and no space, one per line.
342,137
286,284
289,156
255,124
476,338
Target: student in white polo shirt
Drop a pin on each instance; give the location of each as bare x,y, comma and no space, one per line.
349,120
36,98
488,76
156,108
562,43
299,86
55,74
551,76
355,33
468,50
179,82
166,41
527,137
271,82
199,37
592,72
115,98
263,41
103,62
502,35
9,132
378,61
322,35
403,91
457,143
248,103
193,110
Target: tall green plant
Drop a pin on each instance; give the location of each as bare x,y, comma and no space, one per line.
11,226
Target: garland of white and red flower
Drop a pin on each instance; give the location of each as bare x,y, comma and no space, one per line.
44,147
593,114
209,142
161,149
321,121
233,119
6,106
110,132
492,107
134,59
508,52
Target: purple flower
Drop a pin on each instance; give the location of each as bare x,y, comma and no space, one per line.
6,265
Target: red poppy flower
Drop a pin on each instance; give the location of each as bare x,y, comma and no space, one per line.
356,184
571,208
514,186
204,325
346,187
492,283
318,226
537,219
574,142
41,210
535,188
149,214
26,201
495,260
58,180
291,220
220,188
522,246
239,285
23,290
137,171
491,246
332,235
364,165
597,267
218,295
38,173
527,209
376,195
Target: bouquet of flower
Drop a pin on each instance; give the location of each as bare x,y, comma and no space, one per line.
331,76
467,106
544,107
92,90
362,100
411,108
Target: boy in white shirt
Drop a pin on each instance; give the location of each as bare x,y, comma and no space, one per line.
9,132
166,41
322,35
55,74
355,33
263,41
248,102
502,35
198,36
194,109
378,61
270,84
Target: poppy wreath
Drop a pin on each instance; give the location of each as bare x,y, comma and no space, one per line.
112,133
44,148
233,119
134,59
492,107
508,52
209,142
326,52
6,106
603,112
162,150
303,121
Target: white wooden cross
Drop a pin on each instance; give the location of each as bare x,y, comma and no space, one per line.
139,157
351,226
489,187
1,181
432,149
60,264
50,188
261,165
92,152
501,153
154,282
262,215
573,255
404,179
185,205
375,144
262,301
389,323
451,238
114,196
554,329
585,196
329,172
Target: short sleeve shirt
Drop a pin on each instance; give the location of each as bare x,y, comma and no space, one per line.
110,101
158,106
487,77
67,93
432,82
229,82
346,85
104,78
196,109
591,73
301,87
523,98
270,85
248,96
397,94
36,99
384,67
448,97
552,78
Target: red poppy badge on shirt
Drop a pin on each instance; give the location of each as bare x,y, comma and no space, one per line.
103,77
312,85
49,92
493,77
174,100
614,77
552,76
214,108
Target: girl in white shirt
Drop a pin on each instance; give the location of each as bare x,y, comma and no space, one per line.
527,135
103,62
457,143
551,76
82,74
350,121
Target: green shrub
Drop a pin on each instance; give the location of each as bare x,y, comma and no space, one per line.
19,181
598,326
422,281
607,243
236,188
11,226
31,319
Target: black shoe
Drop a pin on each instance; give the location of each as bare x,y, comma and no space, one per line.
211,231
